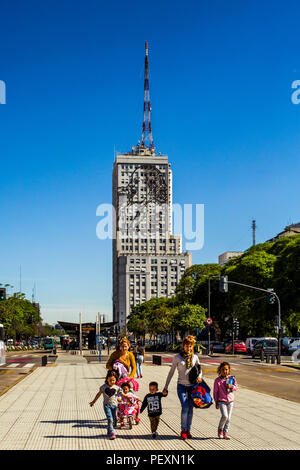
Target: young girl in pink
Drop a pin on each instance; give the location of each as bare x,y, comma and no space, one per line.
224,387
127,402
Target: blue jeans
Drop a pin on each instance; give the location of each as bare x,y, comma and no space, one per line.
139,361
110,412
183,392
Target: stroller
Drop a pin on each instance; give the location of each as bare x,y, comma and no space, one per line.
128,412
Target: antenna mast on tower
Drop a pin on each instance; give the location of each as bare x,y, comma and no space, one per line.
253,232
147,132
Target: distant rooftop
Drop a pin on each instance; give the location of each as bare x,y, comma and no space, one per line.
290,230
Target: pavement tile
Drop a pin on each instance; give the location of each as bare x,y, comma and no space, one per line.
49,410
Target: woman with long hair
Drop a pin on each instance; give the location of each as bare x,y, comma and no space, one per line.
124,358
184,361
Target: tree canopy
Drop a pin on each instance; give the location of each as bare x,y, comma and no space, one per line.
267,265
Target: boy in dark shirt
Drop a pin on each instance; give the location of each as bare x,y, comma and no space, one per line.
153,401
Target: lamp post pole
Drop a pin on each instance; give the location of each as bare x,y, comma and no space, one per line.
209,313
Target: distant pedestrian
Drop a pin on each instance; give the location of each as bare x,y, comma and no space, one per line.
139,353
110,393
152,401
224,387
185,361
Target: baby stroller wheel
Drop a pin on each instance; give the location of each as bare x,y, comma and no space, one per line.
130,420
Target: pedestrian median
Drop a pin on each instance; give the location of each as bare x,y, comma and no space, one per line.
49,410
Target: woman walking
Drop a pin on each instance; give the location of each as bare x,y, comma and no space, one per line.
124,358
183,362
139,353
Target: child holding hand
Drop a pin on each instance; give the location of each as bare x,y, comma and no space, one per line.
152,401
224,387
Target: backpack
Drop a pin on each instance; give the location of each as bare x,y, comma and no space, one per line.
200,396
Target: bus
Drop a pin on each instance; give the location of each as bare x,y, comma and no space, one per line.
2,346
48,343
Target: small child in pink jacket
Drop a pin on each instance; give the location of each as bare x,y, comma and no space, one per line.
224,387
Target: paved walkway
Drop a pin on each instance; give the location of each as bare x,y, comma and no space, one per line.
49,410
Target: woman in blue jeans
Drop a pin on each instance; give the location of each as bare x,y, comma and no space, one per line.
139,353
183,362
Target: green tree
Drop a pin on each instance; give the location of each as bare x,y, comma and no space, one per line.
18,316
189,318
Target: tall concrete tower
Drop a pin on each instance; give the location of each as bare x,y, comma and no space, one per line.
147,258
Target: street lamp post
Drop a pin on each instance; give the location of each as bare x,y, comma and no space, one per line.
209,313
210,276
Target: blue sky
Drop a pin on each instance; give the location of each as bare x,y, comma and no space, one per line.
220,88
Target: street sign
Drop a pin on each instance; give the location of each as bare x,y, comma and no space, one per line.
99,339
209,321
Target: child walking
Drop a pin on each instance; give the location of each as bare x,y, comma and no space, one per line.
110,393
153,401
224,386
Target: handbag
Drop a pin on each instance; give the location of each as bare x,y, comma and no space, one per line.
194,374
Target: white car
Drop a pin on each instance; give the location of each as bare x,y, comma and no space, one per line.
250,342
290,344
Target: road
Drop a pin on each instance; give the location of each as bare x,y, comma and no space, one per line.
19,364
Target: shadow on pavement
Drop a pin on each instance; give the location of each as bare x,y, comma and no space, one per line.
80,423
147,437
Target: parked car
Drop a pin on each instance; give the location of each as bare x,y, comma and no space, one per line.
250,342
294,345
218,347
264,347
290,344
239,347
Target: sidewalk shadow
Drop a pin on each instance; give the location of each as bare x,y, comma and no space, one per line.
126,437
81,423
102,424
93,378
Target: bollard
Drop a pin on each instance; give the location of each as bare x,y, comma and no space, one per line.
156,360
273,359
44,360
278,359
267,358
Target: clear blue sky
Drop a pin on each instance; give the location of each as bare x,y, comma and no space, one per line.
220,88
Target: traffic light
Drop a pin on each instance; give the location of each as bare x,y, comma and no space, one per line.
223,284
2,294
271,297
236,327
